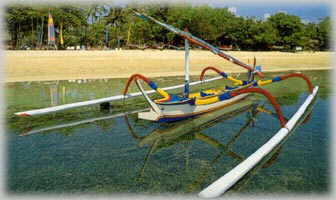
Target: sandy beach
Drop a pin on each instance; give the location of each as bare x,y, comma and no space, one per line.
64,65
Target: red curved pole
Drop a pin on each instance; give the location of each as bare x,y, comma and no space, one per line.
269,97
310,85
135,76
209,68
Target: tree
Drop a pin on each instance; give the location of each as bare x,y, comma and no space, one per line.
263,34
324,29
90,25
19,23
290,30
27,25
69,19
311,32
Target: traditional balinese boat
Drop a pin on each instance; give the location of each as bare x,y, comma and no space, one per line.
173,107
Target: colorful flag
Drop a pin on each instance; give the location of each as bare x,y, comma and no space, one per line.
61,34
51,30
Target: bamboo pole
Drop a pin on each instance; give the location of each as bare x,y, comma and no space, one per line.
48,110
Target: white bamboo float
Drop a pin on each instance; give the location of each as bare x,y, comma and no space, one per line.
224,183
102,100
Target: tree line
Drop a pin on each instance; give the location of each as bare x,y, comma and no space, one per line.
105,26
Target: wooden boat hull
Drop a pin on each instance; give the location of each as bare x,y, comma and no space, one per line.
179,129
174,112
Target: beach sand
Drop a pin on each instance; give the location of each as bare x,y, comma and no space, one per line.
67,65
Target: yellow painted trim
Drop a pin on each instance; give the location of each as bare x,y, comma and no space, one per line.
262,83
235,81
204,111
264,110
198,95
204,101
163,93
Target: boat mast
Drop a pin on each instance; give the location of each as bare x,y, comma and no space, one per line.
186,67
199,42
251,73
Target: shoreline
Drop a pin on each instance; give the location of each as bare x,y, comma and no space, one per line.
151,76
23,66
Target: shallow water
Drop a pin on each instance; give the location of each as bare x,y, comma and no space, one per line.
92,151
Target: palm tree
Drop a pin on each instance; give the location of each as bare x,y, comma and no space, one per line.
16,17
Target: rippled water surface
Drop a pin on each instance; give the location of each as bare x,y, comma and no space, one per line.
93,151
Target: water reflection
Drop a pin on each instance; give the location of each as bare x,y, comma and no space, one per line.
54,95
30,131
179,132
138,156
58,93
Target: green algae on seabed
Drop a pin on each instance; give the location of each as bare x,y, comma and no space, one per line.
107,157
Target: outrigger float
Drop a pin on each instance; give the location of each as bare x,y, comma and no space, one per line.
173,107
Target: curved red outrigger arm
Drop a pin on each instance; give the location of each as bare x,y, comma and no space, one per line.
269,97
299,75
133,77
151,84
211,68
225,75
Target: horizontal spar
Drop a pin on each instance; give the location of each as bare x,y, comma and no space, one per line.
224,183
47,110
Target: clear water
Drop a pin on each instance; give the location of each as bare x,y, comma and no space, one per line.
64,153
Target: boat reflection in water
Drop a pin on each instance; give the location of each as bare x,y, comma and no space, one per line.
192,130
170,134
